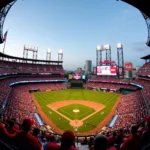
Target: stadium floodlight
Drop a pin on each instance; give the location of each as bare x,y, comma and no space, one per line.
30,47
119,45
60,51
48,50
98,48
101,48
107,47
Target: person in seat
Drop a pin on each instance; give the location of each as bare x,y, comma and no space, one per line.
100,143
133,142
4,134
24,140
68,141
52,145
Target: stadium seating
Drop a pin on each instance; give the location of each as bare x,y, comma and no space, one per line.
8,67
131,110
109,86
144,70
20,104
4,88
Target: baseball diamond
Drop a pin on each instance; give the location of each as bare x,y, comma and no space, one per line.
63,92
57,109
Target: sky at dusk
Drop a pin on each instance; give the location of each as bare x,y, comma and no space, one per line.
77,27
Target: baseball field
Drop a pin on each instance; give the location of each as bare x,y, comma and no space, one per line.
82,111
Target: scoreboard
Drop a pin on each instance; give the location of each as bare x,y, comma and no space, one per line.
77,76
107,70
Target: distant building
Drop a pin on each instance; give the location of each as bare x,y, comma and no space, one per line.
88,66
79,70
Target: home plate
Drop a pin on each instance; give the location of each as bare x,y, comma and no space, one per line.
76,123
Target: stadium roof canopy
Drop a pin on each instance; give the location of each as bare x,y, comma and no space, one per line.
3,3
146,57
2,55
5,6
142,5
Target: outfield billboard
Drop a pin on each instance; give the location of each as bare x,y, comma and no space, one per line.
128,66
76,76
107,70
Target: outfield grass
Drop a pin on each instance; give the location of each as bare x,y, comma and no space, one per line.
107,99
83,111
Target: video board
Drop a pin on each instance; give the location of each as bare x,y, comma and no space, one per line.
77,76
107,70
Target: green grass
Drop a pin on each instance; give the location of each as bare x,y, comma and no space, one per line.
68,111
107,99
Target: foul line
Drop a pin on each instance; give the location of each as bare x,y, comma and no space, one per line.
81,119
60,114
92,114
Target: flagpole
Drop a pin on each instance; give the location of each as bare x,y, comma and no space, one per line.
5,43
4,47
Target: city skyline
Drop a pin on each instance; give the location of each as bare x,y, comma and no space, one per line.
77,27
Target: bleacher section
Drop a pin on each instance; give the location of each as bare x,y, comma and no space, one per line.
8,67
4,88
144,70
20,104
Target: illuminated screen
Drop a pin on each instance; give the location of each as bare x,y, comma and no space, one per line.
70,76
76,77
106,70
83,77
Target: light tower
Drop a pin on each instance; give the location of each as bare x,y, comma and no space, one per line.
28,48
48,54
99,50
120,60
107,48
60,55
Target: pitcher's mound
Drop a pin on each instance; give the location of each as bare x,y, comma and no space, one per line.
76,123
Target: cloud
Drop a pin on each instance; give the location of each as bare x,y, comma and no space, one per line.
134,51
125,15
140,47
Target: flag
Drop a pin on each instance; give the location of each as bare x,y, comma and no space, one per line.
144,15
5,36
